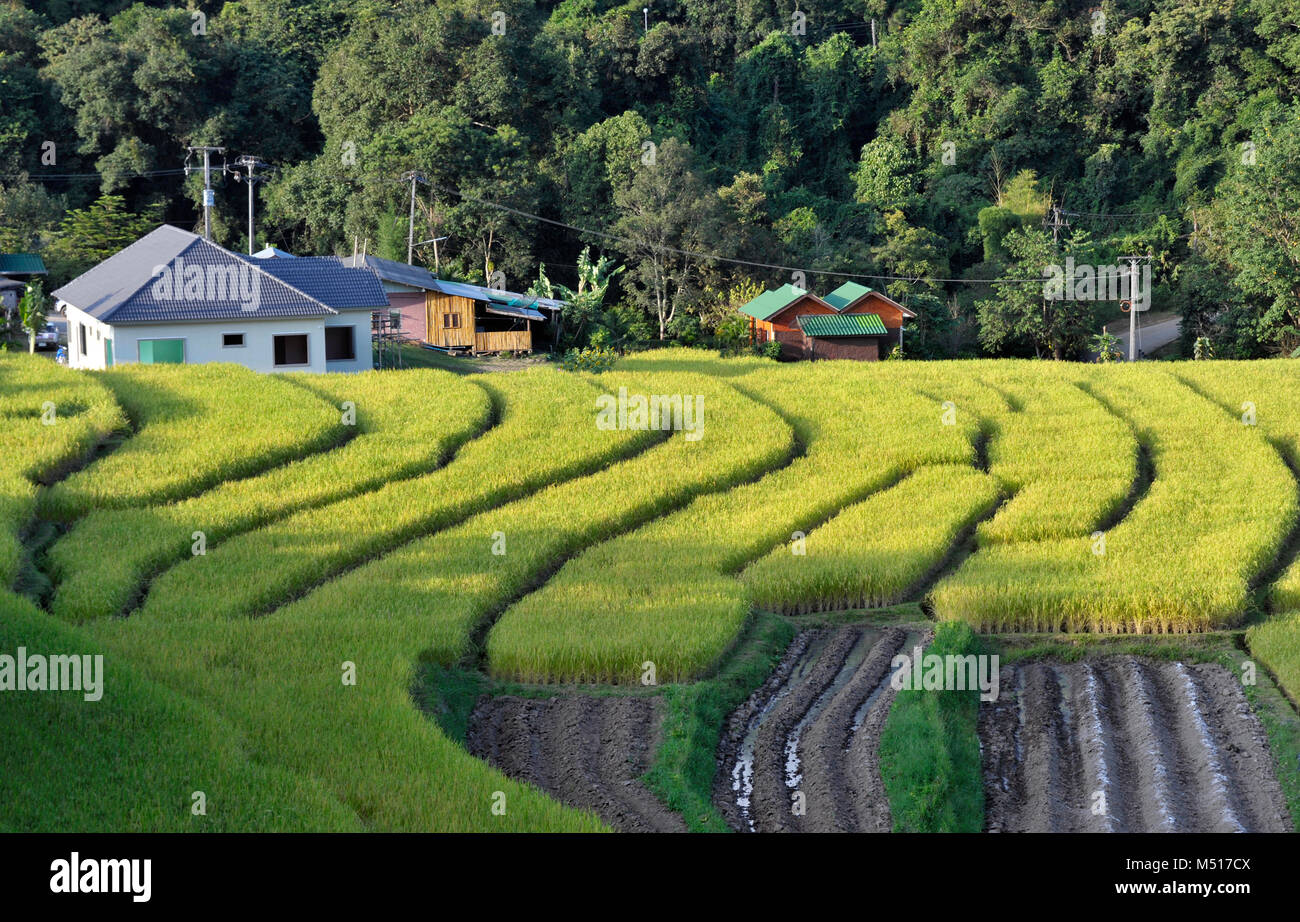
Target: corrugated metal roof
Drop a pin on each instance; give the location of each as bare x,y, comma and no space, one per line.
772,302
507,310
842,325
416,277
390,271
494,295
846,294
21,264
125,288
273,253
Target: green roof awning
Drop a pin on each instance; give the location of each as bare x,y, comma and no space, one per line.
842,325
21,264
772,302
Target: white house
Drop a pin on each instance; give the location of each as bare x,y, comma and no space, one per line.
173,296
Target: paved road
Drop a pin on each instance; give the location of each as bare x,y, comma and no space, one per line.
1159,331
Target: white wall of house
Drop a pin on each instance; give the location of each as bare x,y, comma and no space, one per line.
206,341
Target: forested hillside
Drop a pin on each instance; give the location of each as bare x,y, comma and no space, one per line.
711,148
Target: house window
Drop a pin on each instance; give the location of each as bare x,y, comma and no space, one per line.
230,340
395,319
451,321
339,344
81,336
291,349
162,351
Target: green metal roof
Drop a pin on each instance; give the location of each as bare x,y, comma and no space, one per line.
842,325
772,302
21,264
846,294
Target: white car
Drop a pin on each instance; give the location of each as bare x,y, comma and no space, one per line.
48,338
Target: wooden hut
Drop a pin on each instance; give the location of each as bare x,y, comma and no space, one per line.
852,298
457,316
774,317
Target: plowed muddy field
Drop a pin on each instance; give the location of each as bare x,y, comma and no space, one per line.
1125,744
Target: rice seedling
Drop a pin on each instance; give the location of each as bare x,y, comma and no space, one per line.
400,433
197,425
1276,643
133,759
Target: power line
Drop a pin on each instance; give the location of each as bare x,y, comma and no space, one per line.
33,177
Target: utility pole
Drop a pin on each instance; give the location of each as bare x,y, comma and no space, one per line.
209,197
1055,224
412,176
249,163
873,33
1132,305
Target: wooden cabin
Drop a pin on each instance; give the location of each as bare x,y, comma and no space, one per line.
852,322
457,316
774,317
852,298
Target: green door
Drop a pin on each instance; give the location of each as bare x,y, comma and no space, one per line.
108,353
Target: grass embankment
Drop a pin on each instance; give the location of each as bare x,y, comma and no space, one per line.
694,715
930,749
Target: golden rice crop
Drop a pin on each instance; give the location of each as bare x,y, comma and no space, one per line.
1267,395
278,677
873,552
1067,460
1182,560
667,593
401,432
51,418
547,433
197,425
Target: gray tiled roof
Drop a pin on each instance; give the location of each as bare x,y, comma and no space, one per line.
326,279
125,288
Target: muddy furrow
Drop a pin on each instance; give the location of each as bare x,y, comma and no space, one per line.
1123,744
801,754
588,752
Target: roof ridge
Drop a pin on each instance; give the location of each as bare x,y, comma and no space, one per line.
250,261
151,278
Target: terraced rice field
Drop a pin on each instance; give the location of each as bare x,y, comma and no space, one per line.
417,601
